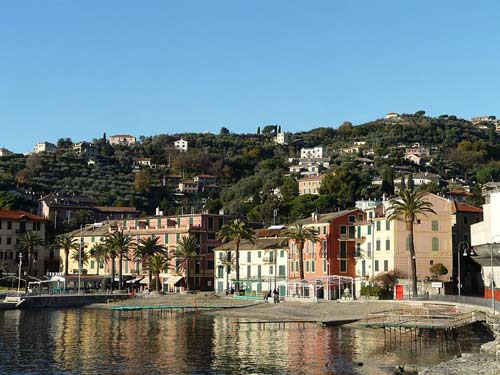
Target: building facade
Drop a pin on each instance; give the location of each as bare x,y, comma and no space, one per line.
44,147
14,224
122,139
317,152
181,145
310,185
263,266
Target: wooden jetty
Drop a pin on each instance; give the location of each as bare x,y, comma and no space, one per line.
421,322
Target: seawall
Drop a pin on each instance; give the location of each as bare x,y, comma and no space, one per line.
32,302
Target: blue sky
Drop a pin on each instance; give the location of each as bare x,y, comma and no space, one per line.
80,68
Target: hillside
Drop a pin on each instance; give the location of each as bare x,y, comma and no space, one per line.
250,167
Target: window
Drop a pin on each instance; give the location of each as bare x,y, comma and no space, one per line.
324,266
324,229
369,249
177,236
435,244
387,225
388,244
343,266
352,219
210,264
359,231
358,249
363,268
211,235
376,266
9,241
313,266
324,248
259,271
1,224
165,239
259,254
343,250
221,222
466,220
343,229
271,268
249,257
378,225
377,245
307,266
271,256
369,229
352,231
296,266
92,264
9,225
291,266
249,271
370,215
466,237
386,265
93,240
220,272
431,262
282,253
282,271
210,223
435,225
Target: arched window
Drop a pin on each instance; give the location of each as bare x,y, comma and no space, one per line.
435,244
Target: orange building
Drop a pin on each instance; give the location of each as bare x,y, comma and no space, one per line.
334,253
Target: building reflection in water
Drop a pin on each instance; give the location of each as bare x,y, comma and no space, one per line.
90,341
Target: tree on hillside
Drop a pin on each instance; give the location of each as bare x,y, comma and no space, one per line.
300,234
235,232
142,181
407,207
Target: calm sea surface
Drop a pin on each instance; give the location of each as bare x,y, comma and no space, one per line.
94,341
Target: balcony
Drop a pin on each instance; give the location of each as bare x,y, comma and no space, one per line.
347,237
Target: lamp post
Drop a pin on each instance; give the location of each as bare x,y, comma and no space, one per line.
19,278
492,281
80,260
465,246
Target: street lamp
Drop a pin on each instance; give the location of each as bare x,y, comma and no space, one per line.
19,278
492,281
465,246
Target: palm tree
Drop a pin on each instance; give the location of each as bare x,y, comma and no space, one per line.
81,256
187,249
100,253
119,246
156,264
300,234
28,241
408,205
235,232
228,262
68,243
146,248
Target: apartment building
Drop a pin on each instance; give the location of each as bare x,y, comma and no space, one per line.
170,229
181,145
263,266
44,147
334,254
310,185
14,224
317,152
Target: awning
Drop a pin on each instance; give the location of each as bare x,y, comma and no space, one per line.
57,278
136,280
172,280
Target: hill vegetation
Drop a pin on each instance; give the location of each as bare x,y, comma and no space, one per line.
253,171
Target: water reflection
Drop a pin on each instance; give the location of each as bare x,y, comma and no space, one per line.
88,341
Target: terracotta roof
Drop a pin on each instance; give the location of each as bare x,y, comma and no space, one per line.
267,232
463,207
122,136
116,209
259,244
205,175
19,215
460,193
325,218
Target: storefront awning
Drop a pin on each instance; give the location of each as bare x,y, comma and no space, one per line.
136,280
172,280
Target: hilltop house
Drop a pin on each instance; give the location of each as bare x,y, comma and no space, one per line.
44,147
310,185
317,152
181,145
5,152
282,138
122,139
85,149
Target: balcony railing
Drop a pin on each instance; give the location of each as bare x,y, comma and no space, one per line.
347,237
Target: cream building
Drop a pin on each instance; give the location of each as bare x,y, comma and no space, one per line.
263,266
